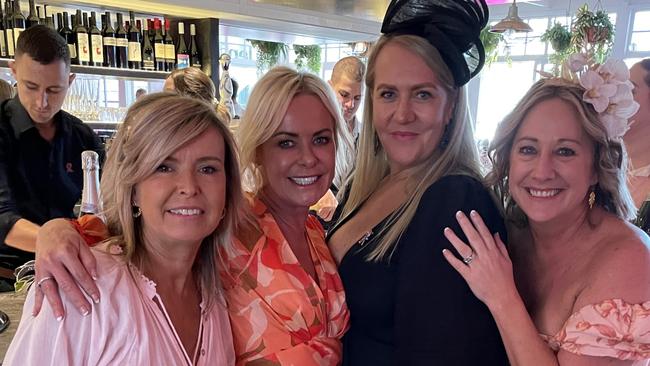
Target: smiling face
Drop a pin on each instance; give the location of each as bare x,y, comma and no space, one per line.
410,107
297,162
41,88
183,200
551,163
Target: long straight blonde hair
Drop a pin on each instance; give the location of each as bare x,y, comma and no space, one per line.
459,156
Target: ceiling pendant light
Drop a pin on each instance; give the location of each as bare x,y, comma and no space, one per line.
512,23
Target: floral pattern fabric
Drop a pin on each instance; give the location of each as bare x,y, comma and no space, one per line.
279,314
611,328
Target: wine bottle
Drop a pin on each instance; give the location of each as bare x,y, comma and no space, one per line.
135,50
32,18
96,42
85,23
66,33
182,54
195,55
59,22
110,52
9,28
148,57
91,202
121,43
159,47
19,21
152,31
170,52
3,41
81,40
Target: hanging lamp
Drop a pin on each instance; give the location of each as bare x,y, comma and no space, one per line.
511,23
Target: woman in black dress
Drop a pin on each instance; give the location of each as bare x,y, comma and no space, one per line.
416,167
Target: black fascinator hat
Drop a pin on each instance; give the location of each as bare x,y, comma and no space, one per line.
451,26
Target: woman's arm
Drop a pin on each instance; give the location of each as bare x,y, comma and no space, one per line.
61,253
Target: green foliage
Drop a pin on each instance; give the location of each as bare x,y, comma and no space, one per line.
559,37
268,53
593,33
308,56
490,42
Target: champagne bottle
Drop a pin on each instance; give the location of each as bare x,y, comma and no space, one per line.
9,28
19,21
82,42
195,55
121,43
135,52
3,41
148,58
66,33
96,42
182,54
91,202
32,18
159,47
170,52
110,52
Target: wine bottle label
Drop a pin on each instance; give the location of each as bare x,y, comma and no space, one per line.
10,42
159,51
73,50
135,53
148,65
182,61
83,47
121,42
98,48
3,47
170,52
110,41
17,32
196,64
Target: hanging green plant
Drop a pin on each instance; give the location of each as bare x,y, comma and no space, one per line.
490,42
268,53
308,56
559,37
593,33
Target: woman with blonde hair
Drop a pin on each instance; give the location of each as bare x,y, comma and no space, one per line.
285,298
416,167
172,197
576,291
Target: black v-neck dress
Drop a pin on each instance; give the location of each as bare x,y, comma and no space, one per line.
416,309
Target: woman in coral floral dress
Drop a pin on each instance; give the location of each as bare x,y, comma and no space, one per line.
580,294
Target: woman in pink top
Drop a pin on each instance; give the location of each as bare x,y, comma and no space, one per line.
171,193
580,293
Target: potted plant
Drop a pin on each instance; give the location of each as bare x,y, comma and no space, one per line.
490,42
268,53
308,57
559,37
593,33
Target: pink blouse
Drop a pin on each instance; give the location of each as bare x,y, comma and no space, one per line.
611,328
127,327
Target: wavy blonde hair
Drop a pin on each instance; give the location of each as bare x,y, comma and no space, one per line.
459,156
156,126
267,106
610,160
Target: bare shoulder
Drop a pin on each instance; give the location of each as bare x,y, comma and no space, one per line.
620,264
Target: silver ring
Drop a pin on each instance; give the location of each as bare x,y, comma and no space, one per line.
40,282
467,260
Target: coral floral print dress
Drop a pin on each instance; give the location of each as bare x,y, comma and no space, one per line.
279,314
611,328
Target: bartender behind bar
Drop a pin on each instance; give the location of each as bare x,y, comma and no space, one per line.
40,145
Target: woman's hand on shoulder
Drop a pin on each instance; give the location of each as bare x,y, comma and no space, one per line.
64,258
485,264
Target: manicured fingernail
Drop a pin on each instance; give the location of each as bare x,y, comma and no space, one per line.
94,275
447,229
95,298
473,213
59,318
84,310
459,213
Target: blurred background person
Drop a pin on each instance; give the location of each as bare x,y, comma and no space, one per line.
347,82
172,194
239,111
191,82
140,93
6,91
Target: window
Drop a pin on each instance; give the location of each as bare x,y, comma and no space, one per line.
640,38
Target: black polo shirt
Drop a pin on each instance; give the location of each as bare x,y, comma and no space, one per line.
39,180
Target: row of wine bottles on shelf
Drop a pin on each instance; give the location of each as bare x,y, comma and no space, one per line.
136,44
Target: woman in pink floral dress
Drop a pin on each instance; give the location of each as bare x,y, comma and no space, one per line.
580,294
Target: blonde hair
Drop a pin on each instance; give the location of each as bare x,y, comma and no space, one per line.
267,106
610,160
193,82
459,156
350,67
156,126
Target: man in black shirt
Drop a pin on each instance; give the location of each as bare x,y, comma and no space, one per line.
40,145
